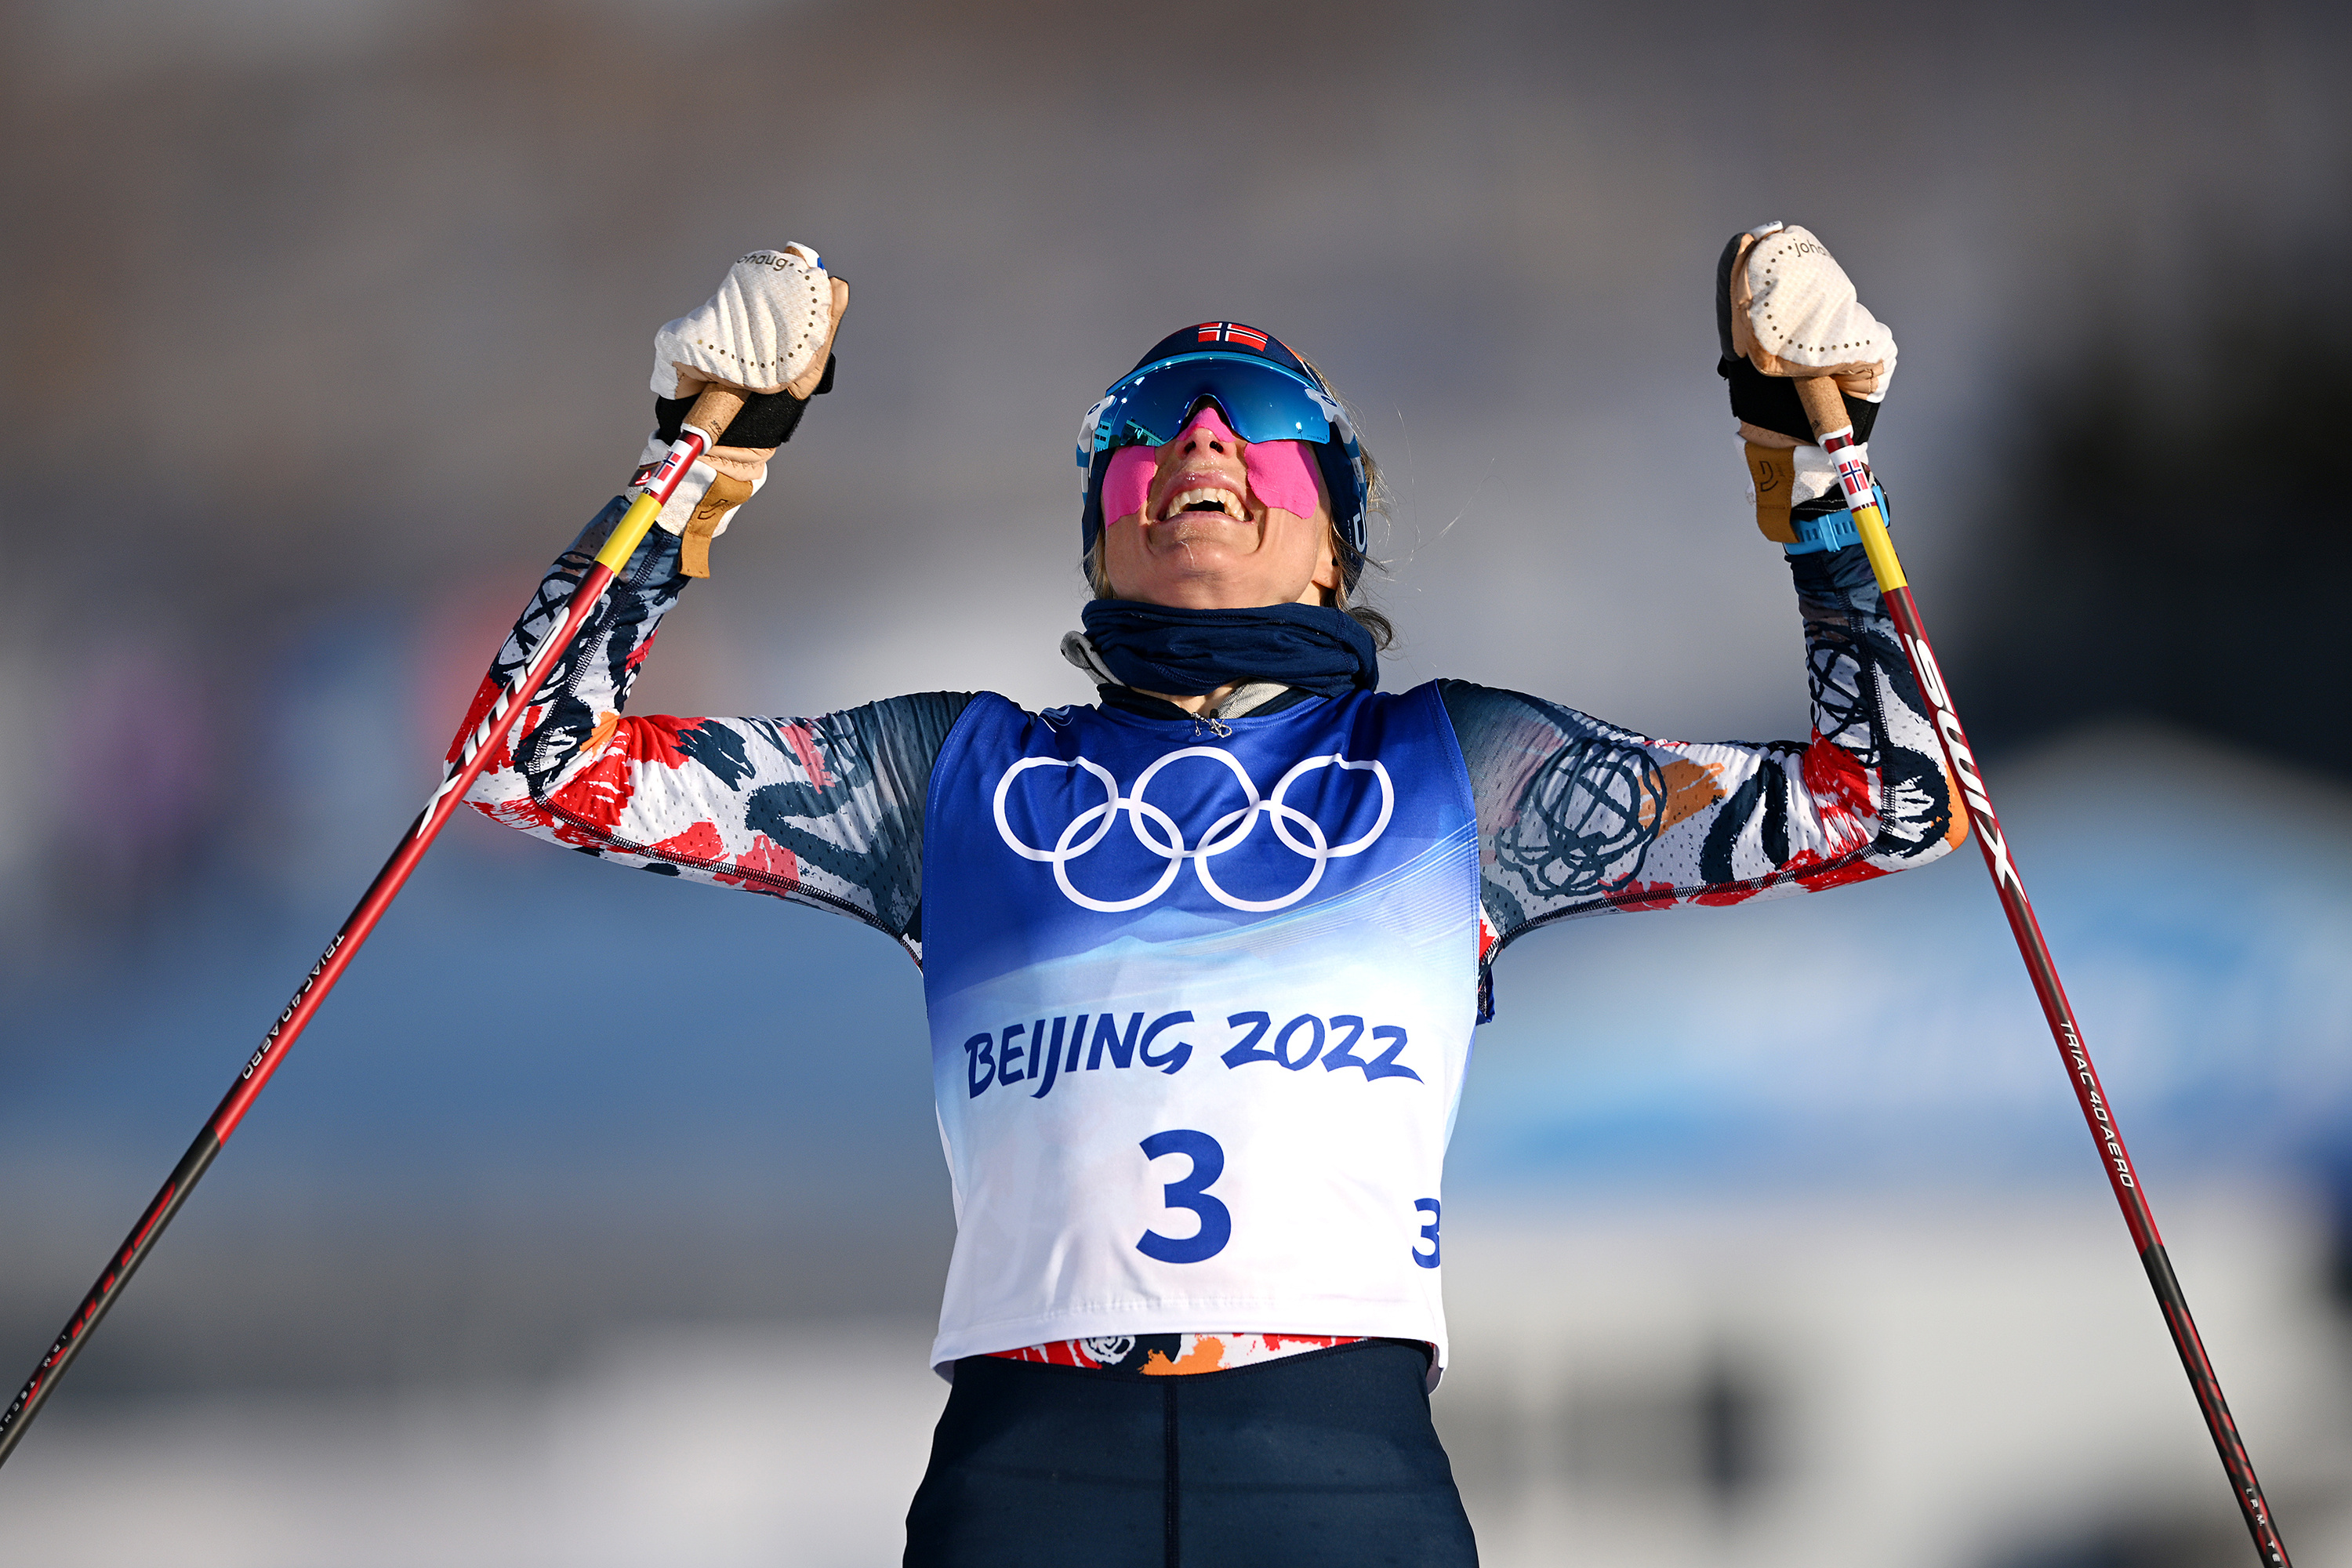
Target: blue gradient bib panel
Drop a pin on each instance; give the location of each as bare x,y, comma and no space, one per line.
1200,1005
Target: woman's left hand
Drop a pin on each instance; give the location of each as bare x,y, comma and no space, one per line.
1791,311
1786,311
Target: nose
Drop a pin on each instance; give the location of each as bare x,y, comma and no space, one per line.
1207,431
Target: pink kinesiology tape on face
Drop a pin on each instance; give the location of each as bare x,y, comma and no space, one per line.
1127,485
1281,473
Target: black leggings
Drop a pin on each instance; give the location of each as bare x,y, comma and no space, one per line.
1321,1459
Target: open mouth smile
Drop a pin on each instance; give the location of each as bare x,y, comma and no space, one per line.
1216,498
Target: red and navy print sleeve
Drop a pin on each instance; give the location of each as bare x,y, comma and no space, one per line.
1580,817
825,811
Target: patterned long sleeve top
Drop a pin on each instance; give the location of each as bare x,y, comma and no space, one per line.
1575,816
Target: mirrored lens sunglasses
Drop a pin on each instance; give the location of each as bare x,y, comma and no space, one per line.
1262,402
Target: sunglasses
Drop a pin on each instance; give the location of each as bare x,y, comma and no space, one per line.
1261,401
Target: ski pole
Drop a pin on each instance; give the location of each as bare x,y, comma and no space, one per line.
1825,411
705,423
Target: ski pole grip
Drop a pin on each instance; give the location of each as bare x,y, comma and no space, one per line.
1825,412
1824,403
715,410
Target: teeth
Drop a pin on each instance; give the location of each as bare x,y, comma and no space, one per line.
1227,502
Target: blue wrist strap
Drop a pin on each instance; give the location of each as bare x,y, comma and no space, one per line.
1831,529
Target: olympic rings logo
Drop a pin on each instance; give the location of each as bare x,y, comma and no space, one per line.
1158,832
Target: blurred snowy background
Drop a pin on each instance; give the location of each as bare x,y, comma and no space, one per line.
599,1218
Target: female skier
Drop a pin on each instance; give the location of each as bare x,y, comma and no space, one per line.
1202,960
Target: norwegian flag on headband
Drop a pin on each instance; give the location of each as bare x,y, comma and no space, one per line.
1231,332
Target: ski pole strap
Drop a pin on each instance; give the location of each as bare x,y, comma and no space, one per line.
1832,530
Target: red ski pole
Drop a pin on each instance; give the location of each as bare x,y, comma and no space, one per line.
1825,411
705,423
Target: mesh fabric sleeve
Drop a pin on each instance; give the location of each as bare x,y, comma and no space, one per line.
825,811
1580,817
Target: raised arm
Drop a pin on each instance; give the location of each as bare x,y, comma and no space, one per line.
1577,817
824,810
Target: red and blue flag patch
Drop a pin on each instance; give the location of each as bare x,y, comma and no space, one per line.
1231,332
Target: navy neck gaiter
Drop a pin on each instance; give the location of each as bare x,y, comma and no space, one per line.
1185,653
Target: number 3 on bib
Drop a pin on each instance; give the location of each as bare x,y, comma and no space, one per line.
1216,1226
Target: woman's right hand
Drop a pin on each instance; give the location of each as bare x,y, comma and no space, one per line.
768,331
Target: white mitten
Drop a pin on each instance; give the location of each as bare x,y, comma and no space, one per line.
769,331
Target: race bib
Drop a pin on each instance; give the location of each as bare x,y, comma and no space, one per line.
1201,1006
